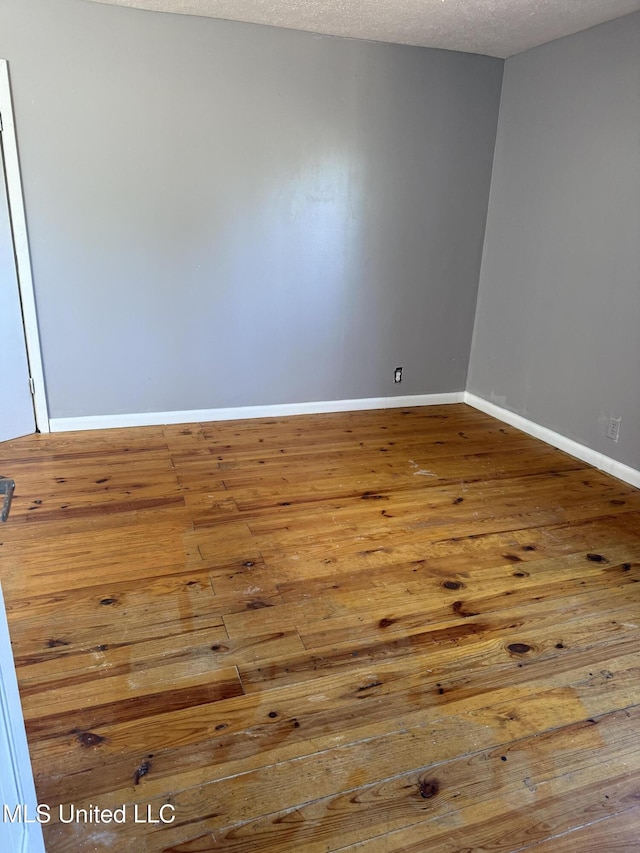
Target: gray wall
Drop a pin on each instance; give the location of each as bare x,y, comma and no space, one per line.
223,214
557,333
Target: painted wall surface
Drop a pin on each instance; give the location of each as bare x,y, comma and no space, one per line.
224,214
557,333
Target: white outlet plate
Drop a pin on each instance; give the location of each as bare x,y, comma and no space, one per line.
613,429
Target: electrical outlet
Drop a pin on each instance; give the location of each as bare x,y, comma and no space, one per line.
613,430
397,374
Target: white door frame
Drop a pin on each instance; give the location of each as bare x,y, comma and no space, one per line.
16,783
21,245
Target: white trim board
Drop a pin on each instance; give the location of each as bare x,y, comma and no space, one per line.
16,780
242,412
21,246
555,439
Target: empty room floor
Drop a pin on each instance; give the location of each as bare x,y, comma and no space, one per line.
402,630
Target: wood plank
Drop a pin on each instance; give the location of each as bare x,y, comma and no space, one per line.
336,614
83,707
621,833
399,661
513,826
349,708
288,628
433,788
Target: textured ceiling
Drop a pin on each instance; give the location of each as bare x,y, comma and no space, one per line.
494,27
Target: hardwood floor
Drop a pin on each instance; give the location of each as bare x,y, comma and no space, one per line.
405,630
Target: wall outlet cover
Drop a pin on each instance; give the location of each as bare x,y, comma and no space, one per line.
613,429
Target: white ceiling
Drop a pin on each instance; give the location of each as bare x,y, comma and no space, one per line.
494,27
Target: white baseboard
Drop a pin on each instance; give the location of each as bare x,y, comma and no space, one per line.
574,448
242,412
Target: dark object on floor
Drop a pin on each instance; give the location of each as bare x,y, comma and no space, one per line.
6,493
